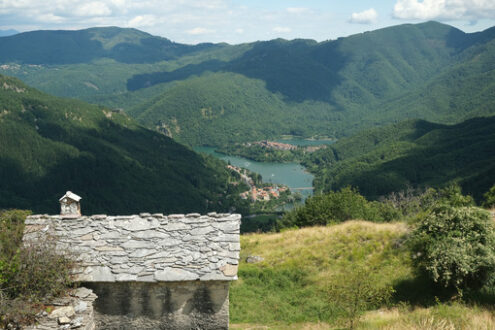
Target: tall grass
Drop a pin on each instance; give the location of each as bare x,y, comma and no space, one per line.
291,284
289,288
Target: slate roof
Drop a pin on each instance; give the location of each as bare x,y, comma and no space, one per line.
145,247
71,195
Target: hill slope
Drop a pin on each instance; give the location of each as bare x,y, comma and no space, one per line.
411,153
333,88
83,46
265,89
49,145
290,288
290,284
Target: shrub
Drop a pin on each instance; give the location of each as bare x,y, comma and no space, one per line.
334,207
489,196
454,245
29,273
356,290
452,195
11,230
411,201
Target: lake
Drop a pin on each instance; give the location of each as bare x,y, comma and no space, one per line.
292,175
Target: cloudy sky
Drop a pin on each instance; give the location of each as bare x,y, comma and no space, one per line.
236,21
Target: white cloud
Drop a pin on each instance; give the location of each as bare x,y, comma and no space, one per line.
444,9
282,29
199,30
50,18
239,31
208,4
297,10
142,21
368,16
95,8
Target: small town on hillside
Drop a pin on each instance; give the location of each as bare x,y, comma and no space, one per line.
256,193
285,146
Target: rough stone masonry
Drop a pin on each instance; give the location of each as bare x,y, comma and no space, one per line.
150,271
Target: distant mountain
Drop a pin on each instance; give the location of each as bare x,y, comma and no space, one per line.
49,145
411,153
218,94
6,33
333,88
82,46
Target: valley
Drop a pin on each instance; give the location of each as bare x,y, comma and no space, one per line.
363,168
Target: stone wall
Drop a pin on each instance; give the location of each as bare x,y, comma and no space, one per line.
145,247
177,305
72,312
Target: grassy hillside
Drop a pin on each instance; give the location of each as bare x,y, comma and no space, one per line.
429,71
49,145
290,284
411,153
289,288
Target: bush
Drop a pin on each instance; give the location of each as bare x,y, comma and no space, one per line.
11,231
29,273
454,245
489,196
356,290
334,207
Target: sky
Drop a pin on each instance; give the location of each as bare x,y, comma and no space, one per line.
238,21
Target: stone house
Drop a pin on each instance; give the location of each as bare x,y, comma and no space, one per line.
150,271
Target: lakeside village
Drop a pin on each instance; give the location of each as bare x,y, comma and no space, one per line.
255,193
284,146
270,151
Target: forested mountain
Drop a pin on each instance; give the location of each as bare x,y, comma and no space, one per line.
413,153
217,94
49,145
83,46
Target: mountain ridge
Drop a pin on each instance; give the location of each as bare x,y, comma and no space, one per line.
298,87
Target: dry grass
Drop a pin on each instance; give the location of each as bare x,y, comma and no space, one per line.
290,285
269,295
441,317
319,249
302,326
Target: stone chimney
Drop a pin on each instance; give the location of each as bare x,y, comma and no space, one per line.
70,205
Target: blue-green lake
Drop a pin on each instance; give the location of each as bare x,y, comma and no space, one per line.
292,175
